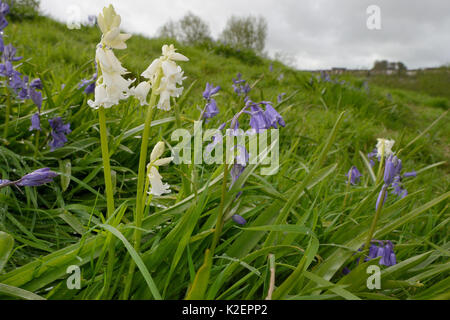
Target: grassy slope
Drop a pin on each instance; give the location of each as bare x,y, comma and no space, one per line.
57,54
435,83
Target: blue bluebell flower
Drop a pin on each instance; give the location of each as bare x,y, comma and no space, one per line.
33,179
92,20
240,162
392,177
16,82
324,76
257,117
241,88
378,248
36,96
59,132
238,219
37,178
89,84
392,169
4,10
36,84
272,116
210,90
280,97
9,53
35,122
238,79
6,69
211,109
354,175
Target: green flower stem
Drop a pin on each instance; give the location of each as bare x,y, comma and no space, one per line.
7,114
347,189
109,193
219,222
106,164
374,223
36,149
380,168
186,186
140,184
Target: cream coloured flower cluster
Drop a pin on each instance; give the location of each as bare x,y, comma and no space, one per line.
170,75
111,87
157,187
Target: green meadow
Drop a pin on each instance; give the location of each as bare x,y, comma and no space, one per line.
305,223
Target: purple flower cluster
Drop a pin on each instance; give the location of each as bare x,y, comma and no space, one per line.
33,179
392,177
89,84
372,155
383,249
241,87
325,77
4,10
240,162
263,119
378,248
262,116
354,175
211,109
21,87
280,97
59,131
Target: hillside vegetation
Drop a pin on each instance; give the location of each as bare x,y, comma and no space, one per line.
304,221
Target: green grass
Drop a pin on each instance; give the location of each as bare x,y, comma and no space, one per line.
433,83
296,222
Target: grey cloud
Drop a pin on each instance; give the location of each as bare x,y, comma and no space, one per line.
320,33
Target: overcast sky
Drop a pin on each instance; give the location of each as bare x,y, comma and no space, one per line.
317,34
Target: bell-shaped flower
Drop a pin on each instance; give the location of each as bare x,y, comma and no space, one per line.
392,169
35,122
169,53
210,90
141,92
9,53
171,75
36,84
257,118
238,219
109,23
59,132
111,87
157,187
272,116
354,175
37,178
210,110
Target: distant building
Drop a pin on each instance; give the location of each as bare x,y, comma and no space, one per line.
338,70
